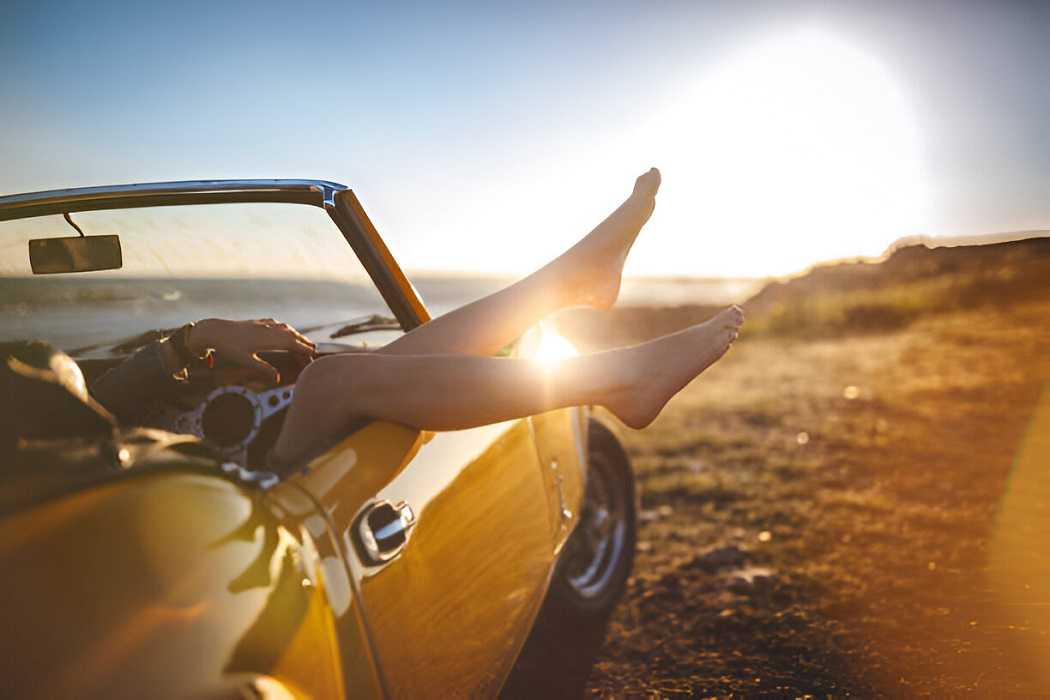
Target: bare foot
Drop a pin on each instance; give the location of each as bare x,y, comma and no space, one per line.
590,271
659,369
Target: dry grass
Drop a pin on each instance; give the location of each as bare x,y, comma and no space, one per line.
817,516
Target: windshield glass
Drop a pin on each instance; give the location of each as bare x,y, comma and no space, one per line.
185,263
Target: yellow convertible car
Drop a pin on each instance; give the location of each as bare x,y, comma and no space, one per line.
164,560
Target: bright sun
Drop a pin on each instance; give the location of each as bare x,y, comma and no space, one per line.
798,149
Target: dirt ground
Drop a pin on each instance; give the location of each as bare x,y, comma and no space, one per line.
838,517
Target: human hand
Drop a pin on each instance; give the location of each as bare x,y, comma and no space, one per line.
239,343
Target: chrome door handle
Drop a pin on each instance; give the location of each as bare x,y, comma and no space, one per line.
382,530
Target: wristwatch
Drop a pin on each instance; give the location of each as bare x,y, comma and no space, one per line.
180,344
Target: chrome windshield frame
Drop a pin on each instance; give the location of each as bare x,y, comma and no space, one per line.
337,199
319,193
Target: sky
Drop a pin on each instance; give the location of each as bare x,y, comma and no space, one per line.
487,137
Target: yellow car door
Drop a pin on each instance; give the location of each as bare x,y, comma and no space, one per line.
448,540
561,443
448,537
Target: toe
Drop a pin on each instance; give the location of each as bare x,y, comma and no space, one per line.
647,183
730,318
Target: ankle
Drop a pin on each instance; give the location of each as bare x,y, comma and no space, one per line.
554,282
623,372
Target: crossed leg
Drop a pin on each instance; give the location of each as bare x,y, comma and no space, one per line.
441,376
588,274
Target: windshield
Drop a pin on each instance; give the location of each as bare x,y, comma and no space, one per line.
185,263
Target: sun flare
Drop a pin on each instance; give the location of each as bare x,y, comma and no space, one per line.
545,346
797,149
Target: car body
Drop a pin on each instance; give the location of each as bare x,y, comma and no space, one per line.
399,563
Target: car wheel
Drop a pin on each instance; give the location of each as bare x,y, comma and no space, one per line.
593,568
589,580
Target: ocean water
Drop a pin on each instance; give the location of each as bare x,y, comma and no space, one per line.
87,315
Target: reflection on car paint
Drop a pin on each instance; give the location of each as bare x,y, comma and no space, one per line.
474,555
203,591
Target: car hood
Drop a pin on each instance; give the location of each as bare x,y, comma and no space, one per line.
38,471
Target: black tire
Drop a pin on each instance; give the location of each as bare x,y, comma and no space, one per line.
587,583
590,595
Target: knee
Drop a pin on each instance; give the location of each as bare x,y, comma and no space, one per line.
335,382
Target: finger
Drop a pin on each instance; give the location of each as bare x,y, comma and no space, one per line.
256,365
265,370
288,338
298,336
297,346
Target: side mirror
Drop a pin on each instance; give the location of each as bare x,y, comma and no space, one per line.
48,256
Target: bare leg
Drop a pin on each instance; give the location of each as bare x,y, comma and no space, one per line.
455,392
586,274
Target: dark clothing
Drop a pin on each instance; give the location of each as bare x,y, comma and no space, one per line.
134,383
44,396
